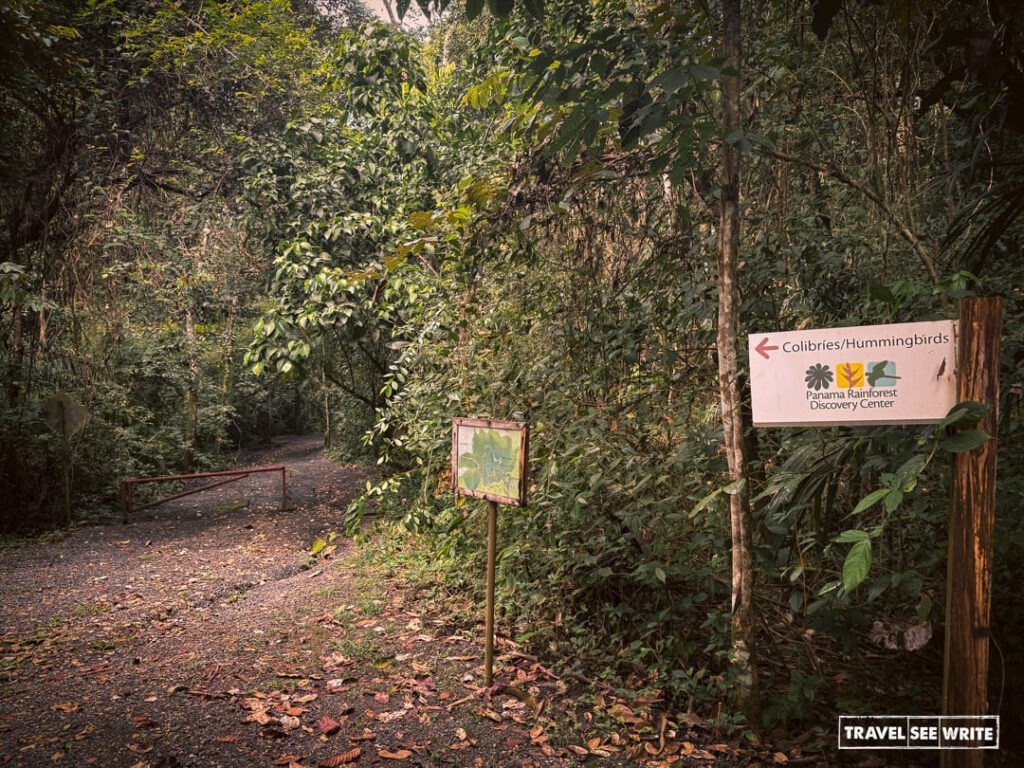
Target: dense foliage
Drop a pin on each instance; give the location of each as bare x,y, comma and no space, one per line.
516,216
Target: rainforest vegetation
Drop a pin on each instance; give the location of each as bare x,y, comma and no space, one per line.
227,220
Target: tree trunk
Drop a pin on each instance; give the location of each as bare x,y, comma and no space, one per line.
744,657
972,518
192,351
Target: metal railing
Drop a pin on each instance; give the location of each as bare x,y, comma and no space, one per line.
230,475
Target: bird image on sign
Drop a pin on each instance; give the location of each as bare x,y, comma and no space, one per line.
491,465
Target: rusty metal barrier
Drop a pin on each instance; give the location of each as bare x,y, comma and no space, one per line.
231,475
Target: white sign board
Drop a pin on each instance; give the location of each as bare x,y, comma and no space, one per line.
873,374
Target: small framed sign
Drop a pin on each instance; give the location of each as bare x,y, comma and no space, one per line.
489,460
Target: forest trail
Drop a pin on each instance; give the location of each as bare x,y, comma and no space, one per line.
204,634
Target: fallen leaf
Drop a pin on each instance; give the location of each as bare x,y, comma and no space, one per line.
581,751
65,706
625,714
780,758
366,735
400,754
460,734
328,725
143,721
490,714
227,739
381,697
344,758
285,759
290,723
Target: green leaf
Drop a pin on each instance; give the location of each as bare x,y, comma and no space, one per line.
659,574
501,8
870,500
893,499
965,413
704,72
961,442
535,8
671,81
906,475
852,536
856,565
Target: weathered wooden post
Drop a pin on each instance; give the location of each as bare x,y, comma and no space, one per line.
492,552
971,524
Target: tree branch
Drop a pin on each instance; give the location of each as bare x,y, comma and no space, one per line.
839,175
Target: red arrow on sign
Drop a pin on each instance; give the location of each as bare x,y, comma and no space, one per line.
763,349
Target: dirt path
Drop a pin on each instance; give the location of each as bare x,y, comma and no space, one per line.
204,634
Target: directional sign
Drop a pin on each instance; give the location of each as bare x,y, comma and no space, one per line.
873,374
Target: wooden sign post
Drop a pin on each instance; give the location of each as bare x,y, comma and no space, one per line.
971,523
489,461
910,373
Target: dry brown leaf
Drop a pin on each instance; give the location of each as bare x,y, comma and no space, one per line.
345,758
228,739
490,714
625,714
780,758
594,743
65,706
366,735
581,751
399,754
381,697
285,759
143,721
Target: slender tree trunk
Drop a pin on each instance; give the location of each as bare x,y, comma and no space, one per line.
391,12
744,657
192,347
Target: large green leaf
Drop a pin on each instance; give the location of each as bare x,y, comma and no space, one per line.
501,8
857,564
962,442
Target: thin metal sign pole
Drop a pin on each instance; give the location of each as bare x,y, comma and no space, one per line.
492,547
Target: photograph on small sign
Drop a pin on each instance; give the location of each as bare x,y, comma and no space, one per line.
489,460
